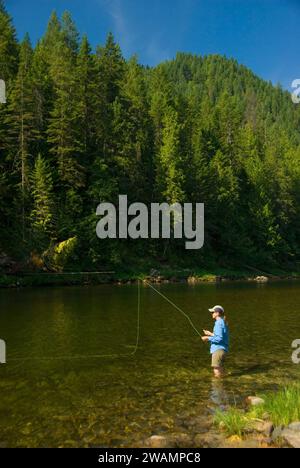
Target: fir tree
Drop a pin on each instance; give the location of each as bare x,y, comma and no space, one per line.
20,124
42,214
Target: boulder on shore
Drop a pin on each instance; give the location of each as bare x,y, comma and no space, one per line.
291,436
261,279
254,401
262,427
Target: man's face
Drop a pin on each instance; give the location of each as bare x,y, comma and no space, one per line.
214,315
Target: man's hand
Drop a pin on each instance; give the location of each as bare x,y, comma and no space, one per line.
207,333
204,338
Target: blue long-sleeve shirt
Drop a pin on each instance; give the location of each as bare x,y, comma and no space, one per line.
220,340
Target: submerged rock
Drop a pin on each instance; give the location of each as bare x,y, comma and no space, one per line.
208,440
156,441
181,440
197,424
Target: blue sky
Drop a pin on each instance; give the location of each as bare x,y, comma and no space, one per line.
261,34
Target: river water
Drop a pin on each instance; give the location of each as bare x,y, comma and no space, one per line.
54,395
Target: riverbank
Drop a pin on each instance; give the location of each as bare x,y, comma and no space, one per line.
161,275
273,419
269,421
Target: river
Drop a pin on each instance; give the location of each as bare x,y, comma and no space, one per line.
54,395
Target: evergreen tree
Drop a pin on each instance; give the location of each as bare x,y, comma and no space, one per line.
8,46
131,133
20,124
52,39
63,130
111,68
170,173
42,214
70,34
43,97
87,109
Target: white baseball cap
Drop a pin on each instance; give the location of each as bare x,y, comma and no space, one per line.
217,308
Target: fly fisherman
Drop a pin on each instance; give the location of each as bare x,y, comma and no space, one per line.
219,340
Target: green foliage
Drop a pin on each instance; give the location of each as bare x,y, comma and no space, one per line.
59,255
233,421
194,129
282,407
170,165
42,215
8,46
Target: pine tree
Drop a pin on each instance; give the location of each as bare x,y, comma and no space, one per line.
69,32
110,66
8,46
42,214
170,173
161,97
131,133
43,97
8,69
63,130
20,123
52,39
88,108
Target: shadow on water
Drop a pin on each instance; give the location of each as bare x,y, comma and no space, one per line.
257,368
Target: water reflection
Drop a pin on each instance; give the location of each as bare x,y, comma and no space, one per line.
221,395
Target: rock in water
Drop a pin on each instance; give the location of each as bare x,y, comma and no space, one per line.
181,440
157,442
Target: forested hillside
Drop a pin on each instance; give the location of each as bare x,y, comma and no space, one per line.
82,126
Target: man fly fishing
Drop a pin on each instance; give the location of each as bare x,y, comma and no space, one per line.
219,340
